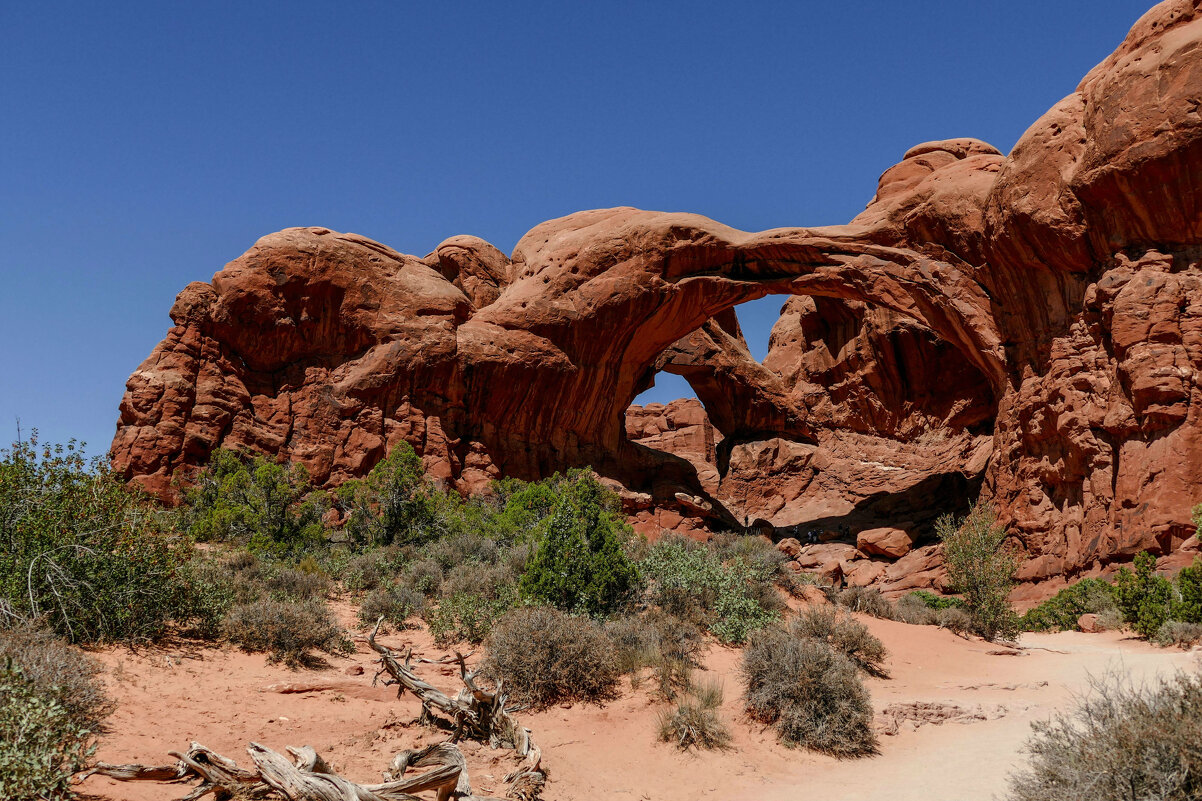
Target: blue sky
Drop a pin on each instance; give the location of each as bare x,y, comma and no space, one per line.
144,145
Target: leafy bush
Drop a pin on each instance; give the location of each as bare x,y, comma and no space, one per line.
287,631
1142,596
981,568
1120,742
695,722
546,657
867,601
458,618
689,581
59,672
83,550
424,576
933,601
396,604
1178,633
41,743
579,564
846,635
1060,612
255,502
809,692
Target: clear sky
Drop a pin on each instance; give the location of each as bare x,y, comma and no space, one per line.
143,145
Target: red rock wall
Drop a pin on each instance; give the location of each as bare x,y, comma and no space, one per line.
1032,318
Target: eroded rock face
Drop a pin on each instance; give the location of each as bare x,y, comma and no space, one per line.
1033,321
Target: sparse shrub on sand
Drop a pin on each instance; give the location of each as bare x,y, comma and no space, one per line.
955,620
546,657
1178,633
396,604
866,601
58,671
287,631
913,610
981,567
1121,742
42,744
1060,612
843,633
809,692
695,722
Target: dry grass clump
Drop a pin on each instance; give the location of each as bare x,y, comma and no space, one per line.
669,646
954,619
913,610
695,722
843,633
1120,742
286,630
58,671
866,601
809,692
546,657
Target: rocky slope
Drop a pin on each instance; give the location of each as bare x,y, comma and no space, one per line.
1030,321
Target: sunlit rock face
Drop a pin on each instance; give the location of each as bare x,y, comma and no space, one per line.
1027,327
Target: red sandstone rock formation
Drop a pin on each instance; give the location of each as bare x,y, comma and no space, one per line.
1034,320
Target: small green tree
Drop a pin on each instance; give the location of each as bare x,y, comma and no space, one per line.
253,501
1142,596
982,568
394,504
1187,606
579,564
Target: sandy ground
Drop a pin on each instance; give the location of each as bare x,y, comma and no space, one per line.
222,698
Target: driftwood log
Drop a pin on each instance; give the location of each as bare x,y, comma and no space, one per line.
475,712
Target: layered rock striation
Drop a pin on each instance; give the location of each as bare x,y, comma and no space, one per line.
1026,326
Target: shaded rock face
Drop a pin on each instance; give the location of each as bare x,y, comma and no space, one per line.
1032,321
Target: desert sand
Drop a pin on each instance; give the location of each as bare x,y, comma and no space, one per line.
171,695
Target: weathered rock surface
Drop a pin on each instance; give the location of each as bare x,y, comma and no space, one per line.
1032,321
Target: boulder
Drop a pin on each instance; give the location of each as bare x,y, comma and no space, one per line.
893,543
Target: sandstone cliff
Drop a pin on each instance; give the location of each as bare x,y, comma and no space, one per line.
1029,324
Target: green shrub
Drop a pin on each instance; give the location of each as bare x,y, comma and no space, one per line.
41,743
287,631
809,692
1120,742
253,501
936,602
579,564
843,633
58,671
545,656
83,550
1060,612
396,604
470,618
866,601
1187,601
695,722
290,584
424,576
689,581
1142,596
981,568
